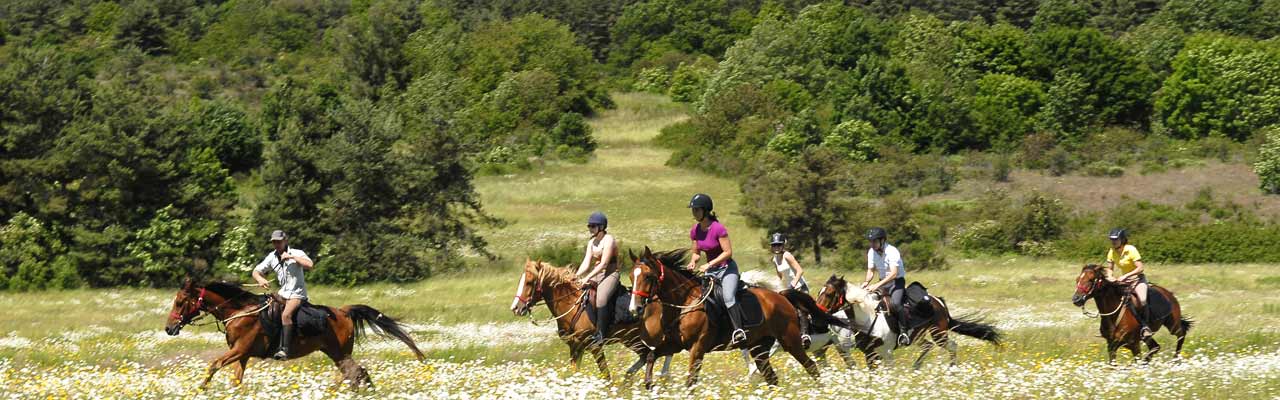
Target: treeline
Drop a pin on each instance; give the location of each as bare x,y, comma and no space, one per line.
144,140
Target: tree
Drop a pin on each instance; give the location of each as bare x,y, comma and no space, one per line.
1268,164
1221,86
800,197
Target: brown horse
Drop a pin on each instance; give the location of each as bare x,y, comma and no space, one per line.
542,282
1118,324
690,328
236,312
863,310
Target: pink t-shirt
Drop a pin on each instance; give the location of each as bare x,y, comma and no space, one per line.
709,241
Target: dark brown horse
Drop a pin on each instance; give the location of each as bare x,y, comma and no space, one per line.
864,312
236,312
542,282
1118,324
683,322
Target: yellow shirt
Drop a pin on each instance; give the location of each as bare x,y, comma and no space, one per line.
1127,260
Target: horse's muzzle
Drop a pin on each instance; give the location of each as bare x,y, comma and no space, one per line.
1078,300
173,330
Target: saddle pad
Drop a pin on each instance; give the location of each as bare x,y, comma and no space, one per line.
752,314
310,320
1158,306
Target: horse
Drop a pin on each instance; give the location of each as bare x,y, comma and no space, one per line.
840,338
237,313
862,307
543,282
688,327
1119,326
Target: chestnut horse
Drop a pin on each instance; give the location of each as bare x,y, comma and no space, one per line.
838,295
1118,324
542,282
236,312
683,322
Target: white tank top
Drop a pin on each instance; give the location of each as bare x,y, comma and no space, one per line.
784,268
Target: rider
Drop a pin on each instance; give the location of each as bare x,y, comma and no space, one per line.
885,259
1126,257
791,274
288,264
600,268
710,237
789,270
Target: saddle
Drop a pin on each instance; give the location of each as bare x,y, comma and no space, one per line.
310,320
916,301
1158,306
621,303
752,314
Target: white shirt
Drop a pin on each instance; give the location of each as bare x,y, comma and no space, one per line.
784,268
292,285
881,263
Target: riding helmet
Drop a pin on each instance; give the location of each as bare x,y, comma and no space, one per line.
876,233
701,201
598,218
777,238
1119,233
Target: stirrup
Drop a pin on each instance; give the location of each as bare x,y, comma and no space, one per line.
739,336
280,355
904,339
597,339
806,341
1147,333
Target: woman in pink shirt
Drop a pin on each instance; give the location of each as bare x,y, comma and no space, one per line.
712,239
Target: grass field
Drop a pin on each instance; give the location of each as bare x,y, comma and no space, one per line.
110,343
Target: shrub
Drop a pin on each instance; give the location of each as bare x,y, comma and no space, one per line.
1103,168
1267,165
923,256
985,236
561,253
33,258
1059,161
1001,166
653,80
572,130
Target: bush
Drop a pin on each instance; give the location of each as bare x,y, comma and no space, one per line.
1267,165
1001,166
653,80
561,253
985,236
572,130
923,256
1103,168
1059,161
33,258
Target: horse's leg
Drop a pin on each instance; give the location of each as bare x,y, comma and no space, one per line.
945,341
636,366
240,366
924,351
235,353
666,368
598,352
760,354
696,352
820,356
648,370
792,344
575,354
1135,347
751,363
1112,345
1153,347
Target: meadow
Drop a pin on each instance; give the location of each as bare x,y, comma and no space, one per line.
109,343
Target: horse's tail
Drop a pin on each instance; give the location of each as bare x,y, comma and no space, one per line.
803,302
1187,322
974,326
363,316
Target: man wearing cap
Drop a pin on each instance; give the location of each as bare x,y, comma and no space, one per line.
288,264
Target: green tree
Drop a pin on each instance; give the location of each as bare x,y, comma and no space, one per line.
1221,86
1268,164
799,197
1005,107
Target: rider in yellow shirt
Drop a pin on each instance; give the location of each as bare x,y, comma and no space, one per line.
1124,256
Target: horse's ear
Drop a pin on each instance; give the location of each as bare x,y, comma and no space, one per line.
632,254
648,253
186,282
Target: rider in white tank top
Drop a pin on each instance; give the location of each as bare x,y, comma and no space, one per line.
788,268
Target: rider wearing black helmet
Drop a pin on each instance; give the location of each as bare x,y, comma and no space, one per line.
602,249
1126,257
885,259
712,239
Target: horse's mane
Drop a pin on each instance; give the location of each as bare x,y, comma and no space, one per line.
675,260
232,292
553,274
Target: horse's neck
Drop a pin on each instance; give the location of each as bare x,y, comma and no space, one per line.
679,283
1108,300
218,306
560,296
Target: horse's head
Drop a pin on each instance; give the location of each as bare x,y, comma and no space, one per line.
647,275
528,289
1091,278
831,297
186,305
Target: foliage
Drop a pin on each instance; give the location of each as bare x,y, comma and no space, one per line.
800,198
1268,164
1221,86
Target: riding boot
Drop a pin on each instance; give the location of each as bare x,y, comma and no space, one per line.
286,336
604,318
1146,318
590,309
735,317
904,334
805,340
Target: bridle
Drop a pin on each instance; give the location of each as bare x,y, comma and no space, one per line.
186,316
662,275
839,304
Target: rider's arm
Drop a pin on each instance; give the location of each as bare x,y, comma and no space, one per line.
1137,269
796,266
889,277
586,262
258,270
892,258
871,270
304,261
725,254
260,279
694,256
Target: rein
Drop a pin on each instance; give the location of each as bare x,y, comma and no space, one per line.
538,291
1098,283
189,318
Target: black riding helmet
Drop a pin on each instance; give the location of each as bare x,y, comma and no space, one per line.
701,201
598,218
1119,233
776,239
876,233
